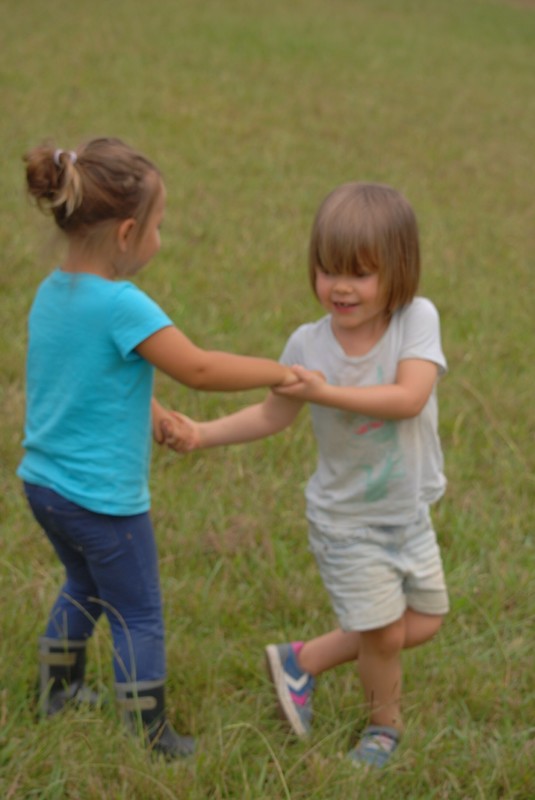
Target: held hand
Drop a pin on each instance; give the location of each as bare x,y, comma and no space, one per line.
158,414
290,378
180,433
307,386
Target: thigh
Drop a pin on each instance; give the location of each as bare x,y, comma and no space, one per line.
365,586
127,572
425,584
117,555
60,519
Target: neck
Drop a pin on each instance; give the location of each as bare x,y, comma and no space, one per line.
359,341
81,258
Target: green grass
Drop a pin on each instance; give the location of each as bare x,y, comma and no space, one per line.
254,112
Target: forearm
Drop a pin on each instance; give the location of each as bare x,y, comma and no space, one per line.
249,424
384,401
157,410
219,371
402,399
158,413
209,370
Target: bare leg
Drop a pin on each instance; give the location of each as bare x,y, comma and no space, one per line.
380,672
339,647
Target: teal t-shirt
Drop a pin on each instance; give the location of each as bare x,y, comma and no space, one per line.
88,392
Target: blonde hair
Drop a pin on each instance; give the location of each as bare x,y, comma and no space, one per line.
103,181
368,227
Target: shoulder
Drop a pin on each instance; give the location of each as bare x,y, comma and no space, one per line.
127,290
134,316
129,296
52,284
416,332
421,308
417,317
311,330
305,339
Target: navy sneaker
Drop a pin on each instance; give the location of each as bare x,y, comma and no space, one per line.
293,686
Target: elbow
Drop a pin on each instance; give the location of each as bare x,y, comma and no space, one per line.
406,406
413,409
199,382
199,378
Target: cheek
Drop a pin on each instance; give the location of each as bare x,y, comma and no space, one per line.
372,291
322,286
155,243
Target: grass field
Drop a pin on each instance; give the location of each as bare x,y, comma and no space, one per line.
254,111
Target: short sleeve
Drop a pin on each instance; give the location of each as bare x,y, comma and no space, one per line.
135,317
421,333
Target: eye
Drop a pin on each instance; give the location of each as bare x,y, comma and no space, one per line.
324,271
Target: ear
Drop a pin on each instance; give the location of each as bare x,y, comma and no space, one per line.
125,232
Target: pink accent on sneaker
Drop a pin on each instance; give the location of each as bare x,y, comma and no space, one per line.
300,701
297,647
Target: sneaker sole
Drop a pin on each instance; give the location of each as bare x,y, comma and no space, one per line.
285,702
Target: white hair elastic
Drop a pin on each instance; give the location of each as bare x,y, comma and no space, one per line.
58,153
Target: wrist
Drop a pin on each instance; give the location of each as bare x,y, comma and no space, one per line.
285,376
200,439
324,394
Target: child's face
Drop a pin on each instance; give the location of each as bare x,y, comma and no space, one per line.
352,300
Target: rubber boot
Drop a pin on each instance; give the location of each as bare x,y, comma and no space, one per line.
142,708
61,675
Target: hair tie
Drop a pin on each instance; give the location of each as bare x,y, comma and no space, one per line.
58,153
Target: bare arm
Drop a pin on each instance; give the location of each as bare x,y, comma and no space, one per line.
247,425
158,414
173,353
402,399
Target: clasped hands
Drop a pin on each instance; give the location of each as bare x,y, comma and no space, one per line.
300,383
181,433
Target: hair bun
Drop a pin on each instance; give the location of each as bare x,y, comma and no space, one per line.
53,182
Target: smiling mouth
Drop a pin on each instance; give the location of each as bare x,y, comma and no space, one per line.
345,306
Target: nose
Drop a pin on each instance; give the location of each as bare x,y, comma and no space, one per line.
342,283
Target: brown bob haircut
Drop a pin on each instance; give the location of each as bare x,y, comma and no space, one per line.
368,227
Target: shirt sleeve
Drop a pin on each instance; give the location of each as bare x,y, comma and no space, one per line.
135,317
293,352
421,333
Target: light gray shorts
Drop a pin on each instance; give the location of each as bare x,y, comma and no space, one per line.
374,574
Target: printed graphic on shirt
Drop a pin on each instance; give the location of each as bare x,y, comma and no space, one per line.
381,457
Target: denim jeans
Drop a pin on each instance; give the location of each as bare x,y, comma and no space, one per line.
111,566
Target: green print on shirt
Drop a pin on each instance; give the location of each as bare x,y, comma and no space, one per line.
388,468
379,478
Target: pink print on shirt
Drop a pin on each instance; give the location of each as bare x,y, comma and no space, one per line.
369,426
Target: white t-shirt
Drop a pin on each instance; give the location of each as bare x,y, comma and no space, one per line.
372,471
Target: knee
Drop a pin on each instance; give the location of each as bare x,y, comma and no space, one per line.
385,641
435,625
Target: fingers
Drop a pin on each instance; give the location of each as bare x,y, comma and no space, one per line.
158,434
308,386
304,374
289,378
177,432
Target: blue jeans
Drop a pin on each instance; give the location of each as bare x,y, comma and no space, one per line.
111,566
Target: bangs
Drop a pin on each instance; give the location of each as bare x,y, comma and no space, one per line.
337,258
362,229
344,241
